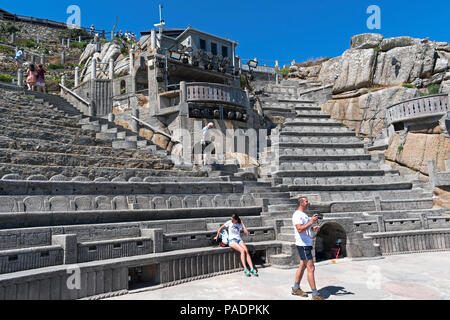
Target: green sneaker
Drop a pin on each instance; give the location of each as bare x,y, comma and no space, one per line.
254,272
247,273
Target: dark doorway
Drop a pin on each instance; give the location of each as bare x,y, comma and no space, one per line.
330,242
143,276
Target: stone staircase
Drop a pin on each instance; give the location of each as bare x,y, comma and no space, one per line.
120,137
48,136
314,155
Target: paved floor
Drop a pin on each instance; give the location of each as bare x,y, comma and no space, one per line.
410,276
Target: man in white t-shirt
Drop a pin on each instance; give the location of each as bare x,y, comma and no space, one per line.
206,140
303,240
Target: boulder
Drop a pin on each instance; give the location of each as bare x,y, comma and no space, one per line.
330,70
441,65
391,43
418,149
404,64
88,53
356,70
366,41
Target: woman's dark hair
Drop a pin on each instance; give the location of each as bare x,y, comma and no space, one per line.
32,67
236,217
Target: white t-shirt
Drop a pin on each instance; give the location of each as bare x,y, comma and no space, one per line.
303,239
234,230
205,133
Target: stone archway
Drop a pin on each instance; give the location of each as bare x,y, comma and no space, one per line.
330,237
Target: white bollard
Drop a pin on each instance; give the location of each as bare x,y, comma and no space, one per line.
111,69
77,71
19,77
63,80
94,69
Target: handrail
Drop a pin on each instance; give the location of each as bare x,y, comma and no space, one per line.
154,129
202,91
75,95
417,108
417,98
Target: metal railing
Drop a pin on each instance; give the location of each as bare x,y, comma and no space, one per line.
418,108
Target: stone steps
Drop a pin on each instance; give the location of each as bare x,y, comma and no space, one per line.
31,126
32,114
83,139
64,159
28,144
91,172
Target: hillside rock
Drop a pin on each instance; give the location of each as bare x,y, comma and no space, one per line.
356,70
357,111
330,70
391,43
404,64
88,53
418,149
366,41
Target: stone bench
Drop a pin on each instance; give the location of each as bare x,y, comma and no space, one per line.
30,258
105,276
59,218
397,242
196,239
96,174
115,248
121,202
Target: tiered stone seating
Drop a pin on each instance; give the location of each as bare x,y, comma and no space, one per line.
68,197
314,155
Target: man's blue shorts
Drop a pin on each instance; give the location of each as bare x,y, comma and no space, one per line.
305,253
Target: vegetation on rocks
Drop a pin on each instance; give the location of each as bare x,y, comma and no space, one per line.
6,78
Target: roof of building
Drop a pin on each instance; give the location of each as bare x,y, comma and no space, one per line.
179,33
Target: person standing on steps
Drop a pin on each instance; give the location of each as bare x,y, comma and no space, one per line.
40,79
234,227
31,77
206,141
18,57
303,226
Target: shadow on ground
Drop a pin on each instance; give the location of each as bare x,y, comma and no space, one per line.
326,292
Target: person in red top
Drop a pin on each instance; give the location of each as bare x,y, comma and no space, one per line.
40,79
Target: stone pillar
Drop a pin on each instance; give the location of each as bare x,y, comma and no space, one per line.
68,43
157,236
94,69
153,39
19,77
277,75
63,57
69,244
77,72
111,117
424,221
62,41
381,225
13,38
42,58
79,38
135,123
38,40
111,69
131,71
184,108
63,80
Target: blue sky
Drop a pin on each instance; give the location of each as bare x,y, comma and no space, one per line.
266,29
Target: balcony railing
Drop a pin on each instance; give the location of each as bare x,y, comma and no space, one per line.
212,92
418,108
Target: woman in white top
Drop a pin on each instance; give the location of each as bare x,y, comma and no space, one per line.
234,227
